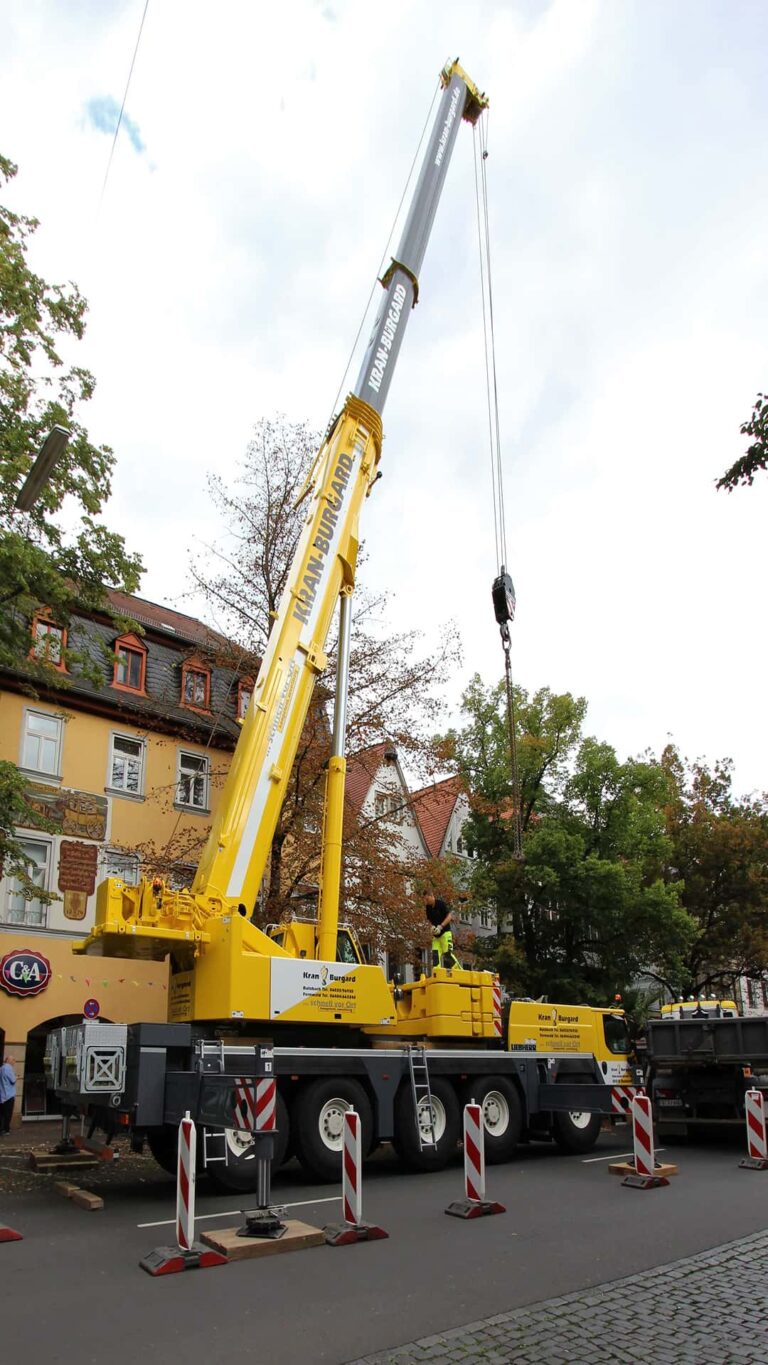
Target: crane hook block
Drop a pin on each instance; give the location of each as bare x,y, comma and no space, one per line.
503,593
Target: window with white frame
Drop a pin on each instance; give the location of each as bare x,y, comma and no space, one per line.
387,804
486,918
193,780
118,862
41,746
26,909
126,765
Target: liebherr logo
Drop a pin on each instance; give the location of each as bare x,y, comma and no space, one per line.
387,337
447,127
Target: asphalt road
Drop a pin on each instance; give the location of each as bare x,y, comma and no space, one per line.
74,1290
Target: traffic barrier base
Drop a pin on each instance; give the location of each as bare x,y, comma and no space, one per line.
9,1234
344,1234
172,1260
474,1208
644,1182
754,1163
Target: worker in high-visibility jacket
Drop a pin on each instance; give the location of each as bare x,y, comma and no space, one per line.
439,915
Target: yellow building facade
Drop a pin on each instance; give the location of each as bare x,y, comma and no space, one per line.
127,771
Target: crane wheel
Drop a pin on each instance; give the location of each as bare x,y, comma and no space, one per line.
317,1123
446,1121
576,1131
240,1171
502,1115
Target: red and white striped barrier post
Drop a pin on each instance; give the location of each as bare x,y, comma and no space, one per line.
353,1229
187,1254
474,1204
646,1175
185,1184
757,1145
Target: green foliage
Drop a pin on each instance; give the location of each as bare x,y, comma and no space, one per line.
756,455
589,906
719,861
16,813
60,553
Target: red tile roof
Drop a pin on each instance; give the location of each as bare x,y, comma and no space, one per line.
361,770
433,807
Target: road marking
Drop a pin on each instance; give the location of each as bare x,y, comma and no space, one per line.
237,1213
620,1156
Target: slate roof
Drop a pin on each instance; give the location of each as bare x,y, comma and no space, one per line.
170,638
434,805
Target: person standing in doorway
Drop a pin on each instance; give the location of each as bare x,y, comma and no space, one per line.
439,915
7,1095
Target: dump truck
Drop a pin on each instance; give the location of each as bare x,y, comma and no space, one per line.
406,1056
701,1058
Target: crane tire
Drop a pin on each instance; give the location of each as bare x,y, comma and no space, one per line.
447,1127
317,1120
502,1115
240,1171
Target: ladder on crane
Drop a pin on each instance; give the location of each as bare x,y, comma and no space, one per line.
422,1094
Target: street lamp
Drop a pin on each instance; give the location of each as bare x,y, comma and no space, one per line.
52,449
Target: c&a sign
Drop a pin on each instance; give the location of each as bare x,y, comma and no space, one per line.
24,972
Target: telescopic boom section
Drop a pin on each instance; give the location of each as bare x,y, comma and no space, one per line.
234,860
232,865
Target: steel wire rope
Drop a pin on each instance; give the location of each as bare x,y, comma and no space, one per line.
122,106
494,441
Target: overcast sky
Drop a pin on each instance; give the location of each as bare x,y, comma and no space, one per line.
261,159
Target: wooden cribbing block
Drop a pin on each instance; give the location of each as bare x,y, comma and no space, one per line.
85,1200
65,1187
51,1161
663,1168
296,1237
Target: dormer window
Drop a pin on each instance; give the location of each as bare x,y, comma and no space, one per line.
195,685
49,642
130,664
244,694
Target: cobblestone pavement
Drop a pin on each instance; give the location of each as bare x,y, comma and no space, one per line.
708,1309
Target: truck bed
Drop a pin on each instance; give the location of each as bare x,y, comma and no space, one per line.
691,1041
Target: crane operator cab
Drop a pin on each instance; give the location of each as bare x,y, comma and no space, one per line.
299,938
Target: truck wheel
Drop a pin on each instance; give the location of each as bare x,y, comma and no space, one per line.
163,1143
576,1131
445,1117
318,1125
240,1171
502,1115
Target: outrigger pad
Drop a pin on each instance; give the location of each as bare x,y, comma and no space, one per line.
172,1260
262,1223
474,1208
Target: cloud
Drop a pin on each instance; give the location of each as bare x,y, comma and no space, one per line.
103,113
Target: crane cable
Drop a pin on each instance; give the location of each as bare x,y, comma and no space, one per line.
503,591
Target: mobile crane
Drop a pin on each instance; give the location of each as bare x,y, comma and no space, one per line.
342,1035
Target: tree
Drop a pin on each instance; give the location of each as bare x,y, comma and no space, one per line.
49,558
756,456
391,696
587,908
718,858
